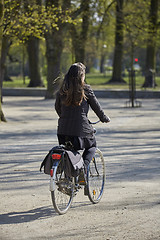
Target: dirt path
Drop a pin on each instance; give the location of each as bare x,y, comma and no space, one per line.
130,207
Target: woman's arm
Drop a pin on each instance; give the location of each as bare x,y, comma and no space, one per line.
58,104
95,105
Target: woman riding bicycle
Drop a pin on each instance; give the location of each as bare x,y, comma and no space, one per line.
72,106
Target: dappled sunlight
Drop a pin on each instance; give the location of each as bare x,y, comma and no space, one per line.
130,145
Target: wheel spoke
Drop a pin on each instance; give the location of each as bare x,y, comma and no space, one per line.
63,194
96,177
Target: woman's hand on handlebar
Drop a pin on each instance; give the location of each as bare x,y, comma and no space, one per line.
108,120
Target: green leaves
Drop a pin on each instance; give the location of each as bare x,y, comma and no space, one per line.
22,20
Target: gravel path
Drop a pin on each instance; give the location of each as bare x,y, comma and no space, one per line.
130,207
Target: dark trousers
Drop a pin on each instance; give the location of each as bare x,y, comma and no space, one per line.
87,155
89,146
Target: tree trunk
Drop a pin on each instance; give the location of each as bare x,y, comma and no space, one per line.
118,51
4,51
132,83
54,47
151,46
33,54
34,66
2,117
79,39
102,60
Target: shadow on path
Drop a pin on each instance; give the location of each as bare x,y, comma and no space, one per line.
27,216
35,214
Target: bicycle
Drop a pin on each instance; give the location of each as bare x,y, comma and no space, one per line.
63,189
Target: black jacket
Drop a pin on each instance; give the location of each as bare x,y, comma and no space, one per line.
73,120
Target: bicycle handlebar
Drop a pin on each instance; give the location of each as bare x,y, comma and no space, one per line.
98,121
95,122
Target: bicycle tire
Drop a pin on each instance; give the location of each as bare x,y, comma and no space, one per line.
62,195
96,177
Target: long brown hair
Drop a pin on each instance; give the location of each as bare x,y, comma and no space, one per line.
72,88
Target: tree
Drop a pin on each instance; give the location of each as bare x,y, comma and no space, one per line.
36,22
104,32
118,51
151,46
2,118
34,62
135,21
135,26
6,43
33,55
54,45
79,33
19,24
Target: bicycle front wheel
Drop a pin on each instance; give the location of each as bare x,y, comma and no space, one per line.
96,177
62,195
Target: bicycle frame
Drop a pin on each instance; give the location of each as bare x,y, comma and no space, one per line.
53,175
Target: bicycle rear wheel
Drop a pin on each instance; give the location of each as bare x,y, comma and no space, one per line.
96,177
62,195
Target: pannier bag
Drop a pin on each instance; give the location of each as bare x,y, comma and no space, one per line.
71,161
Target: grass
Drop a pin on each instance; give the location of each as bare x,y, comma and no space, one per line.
100,81
96,80
17,82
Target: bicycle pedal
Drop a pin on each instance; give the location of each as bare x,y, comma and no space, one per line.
82,179
82,182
